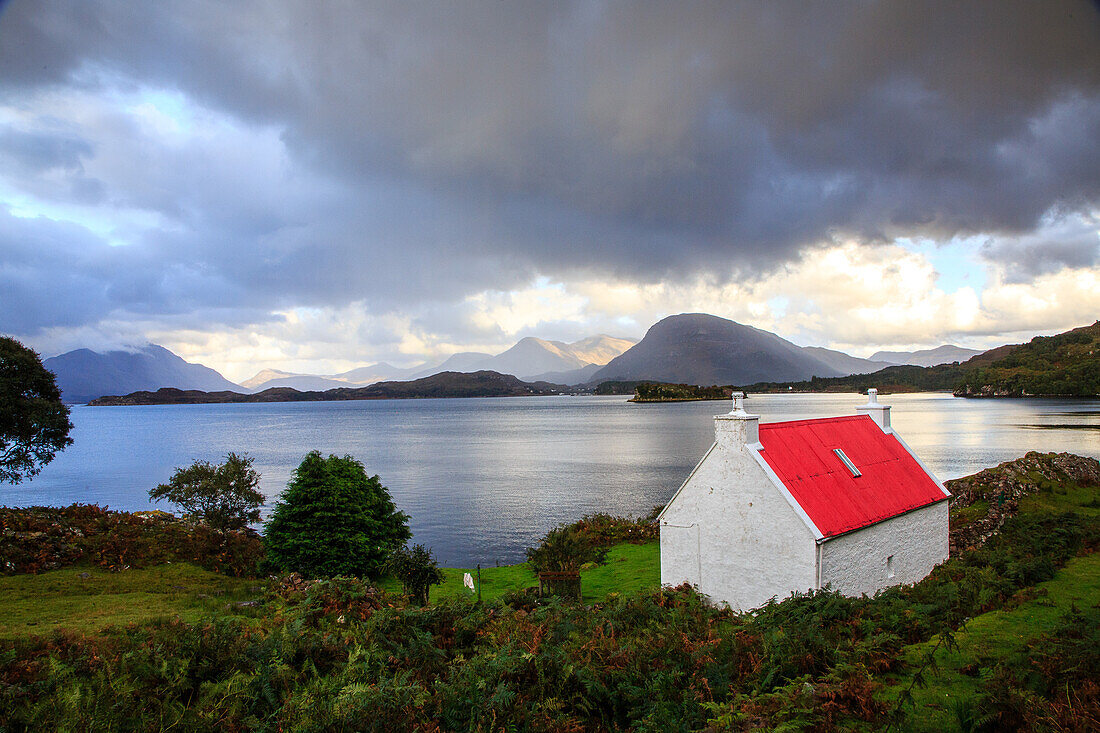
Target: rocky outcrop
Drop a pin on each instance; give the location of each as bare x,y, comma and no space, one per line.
981,503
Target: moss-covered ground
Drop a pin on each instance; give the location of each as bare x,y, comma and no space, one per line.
85,598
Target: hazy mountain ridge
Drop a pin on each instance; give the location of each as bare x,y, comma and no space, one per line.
533,358
84,374
845,363
945,354
530,358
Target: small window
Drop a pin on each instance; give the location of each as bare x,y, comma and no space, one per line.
847,462
890,566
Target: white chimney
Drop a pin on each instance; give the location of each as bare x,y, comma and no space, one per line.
736,428
879,413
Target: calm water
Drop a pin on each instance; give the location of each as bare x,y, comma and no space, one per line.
484,478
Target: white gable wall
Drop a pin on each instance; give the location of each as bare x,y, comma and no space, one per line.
915,542
732,534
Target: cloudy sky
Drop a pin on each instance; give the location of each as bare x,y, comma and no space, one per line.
319,185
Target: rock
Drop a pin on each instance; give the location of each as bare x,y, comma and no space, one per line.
1002,488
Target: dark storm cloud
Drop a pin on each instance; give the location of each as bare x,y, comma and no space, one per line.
441,149
1026,257
50,165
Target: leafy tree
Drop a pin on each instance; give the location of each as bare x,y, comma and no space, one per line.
34,423
417,570
223,496
563,550
333,519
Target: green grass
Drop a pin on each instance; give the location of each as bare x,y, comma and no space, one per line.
63,599
988,638
628,568
1063,498
495,582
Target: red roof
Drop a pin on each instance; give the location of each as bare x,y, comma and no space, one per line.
892,482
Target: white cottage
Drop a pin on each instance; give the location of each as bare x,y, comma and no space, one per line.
795,506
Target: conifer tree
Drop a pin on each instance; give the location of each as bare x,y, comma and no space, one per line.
333,519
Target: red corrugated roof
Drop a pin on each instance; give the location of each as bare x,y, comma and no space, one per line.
892,482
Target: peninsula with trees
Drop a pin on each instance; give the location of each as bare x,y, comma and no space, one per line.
445,384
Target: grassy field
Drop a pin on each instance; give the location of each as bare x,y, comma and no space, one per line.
628,568
87,599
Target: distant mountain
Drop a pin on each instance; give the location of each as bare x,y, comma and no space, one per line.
302,382
696,348
532,357
844,363
447,384
599,349
269,378
572,376
529,359
374,373
464,361
84,374
266,375
945,354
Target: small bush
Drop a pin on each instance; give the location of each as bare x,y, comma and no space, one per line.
417,570
563,550
224,496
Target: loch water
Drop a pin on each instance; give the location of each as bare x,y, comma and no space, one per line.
484,478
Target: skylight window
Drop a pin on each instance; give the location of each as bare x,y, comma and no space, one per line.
847,462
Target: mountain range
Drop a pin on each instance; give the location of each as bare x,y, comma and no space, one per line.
694,348
531,359
84,374
926,357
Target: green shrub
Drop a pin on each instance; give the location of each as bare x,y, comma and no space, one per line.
563,550
604,530
333,519
417,570
224,496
